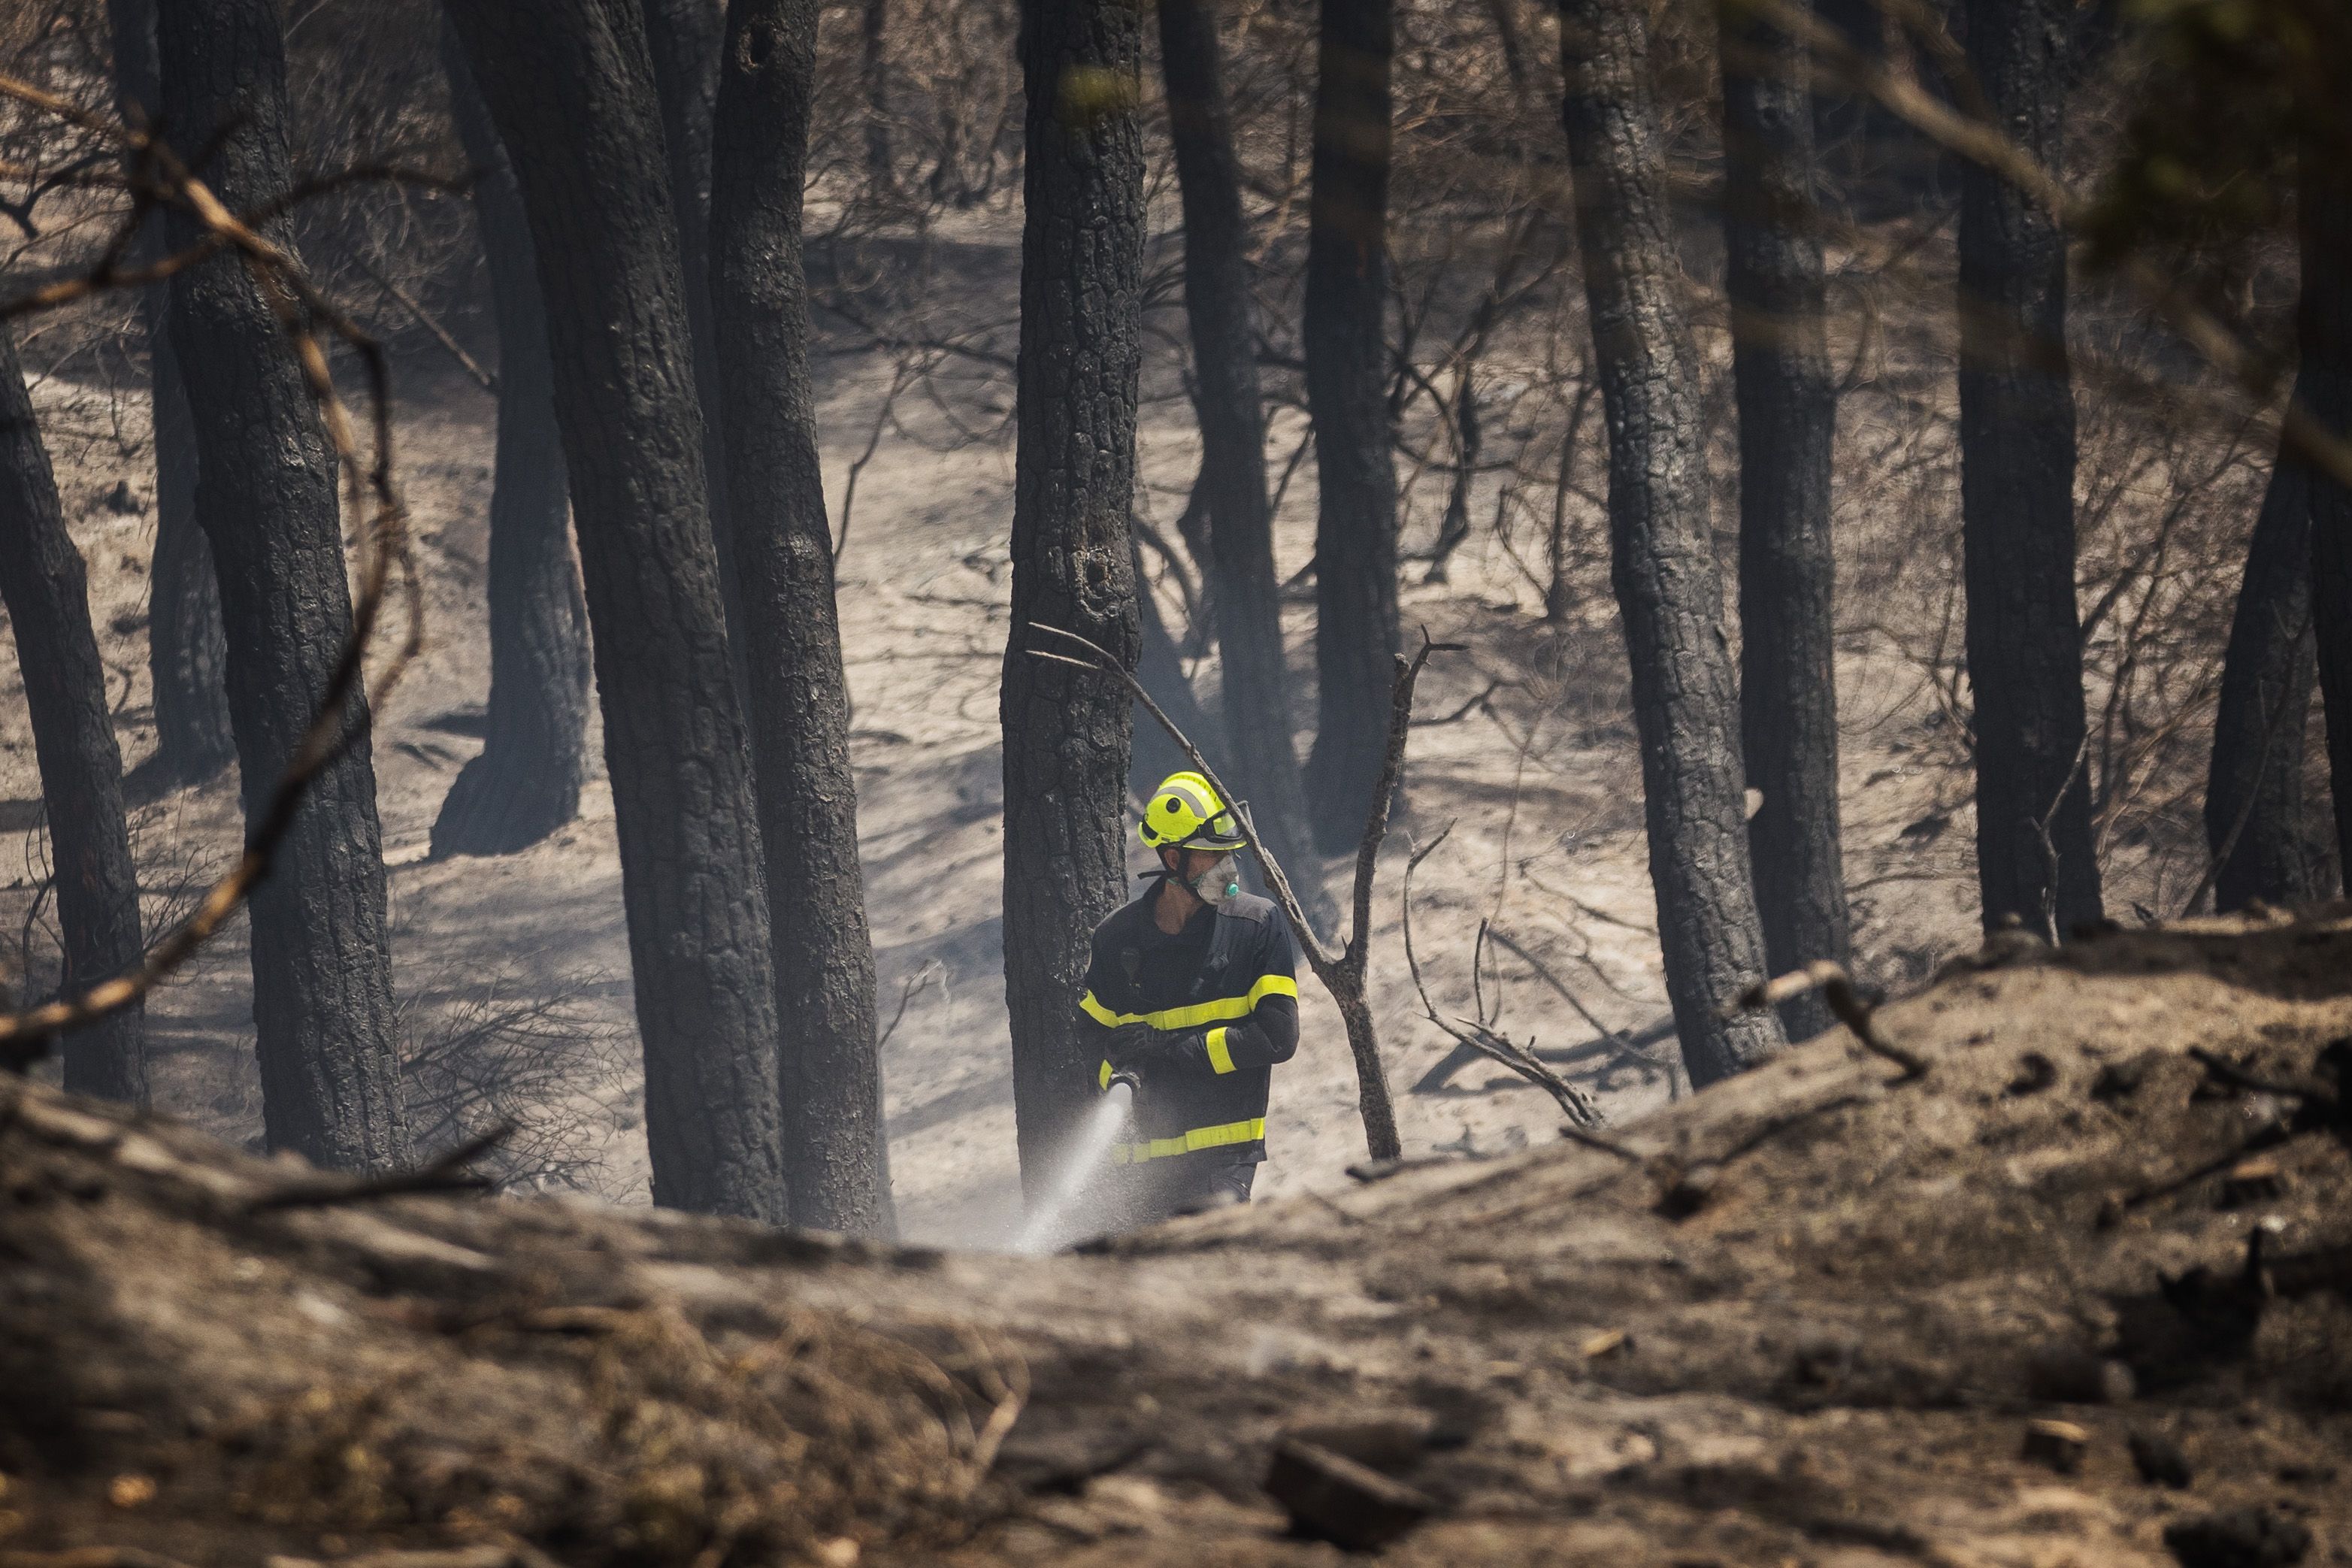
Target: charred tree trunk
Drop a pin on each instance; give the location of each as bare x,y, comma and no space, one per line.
1685,702
571,87
684,38
2017,496
2323,387
1067,730
2255,823
1347,398
831,1074
1243,584
322,1002
526,782
1787,420
47,592
187,656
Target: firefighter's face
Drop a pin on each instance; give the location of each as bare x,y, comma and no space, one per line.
1190,865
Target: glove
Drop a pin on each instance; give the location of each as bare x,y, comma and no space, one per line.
1141,1049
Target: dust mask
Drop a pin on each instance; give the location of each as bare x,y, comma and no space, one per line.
1220,882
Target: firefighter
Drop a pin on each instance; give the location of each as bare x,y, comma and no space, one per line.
1192,997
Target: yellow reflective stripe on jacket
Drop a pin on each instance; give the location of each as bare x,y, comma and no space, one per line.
1223,1010
1221,1055
1104,1082
1199,1138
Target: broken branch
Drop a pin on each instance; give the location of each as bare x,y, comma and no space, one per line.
1837,989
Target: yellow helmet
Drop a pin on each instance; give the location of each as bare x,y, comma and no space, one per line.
1186,813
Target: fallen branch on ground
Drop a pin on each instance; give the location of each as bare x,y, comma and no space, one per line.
1479,1035
450,1173
1837,989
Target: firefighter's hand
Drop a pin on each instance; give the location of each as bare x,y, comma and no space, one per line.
1142,1049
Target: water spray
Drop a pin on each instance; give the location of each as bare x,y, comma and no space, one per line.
1101,1133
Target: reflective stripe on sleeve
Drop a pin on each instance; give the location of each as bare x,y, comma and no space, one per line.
1199,1138
1104,1082
1224,1009
1220,1055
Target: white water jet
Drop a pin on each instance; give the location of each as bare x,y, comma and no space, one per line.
1104,1125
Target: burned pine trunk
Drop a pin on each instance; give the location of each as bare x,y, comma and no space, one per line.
526,782
683,39
1067,730
830,1074
322,1006
45,587
1347,398
1686,704
1788,422
2254,805
1240,558
186,652
570,87
2035,858
2324,389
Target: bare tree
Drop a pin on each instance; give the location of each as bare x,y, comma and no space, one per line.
1240,558
1685,702
187,650
571,87
525,784
1788,424
2324,389
322,1001
2017,494
47,590
1067,730
830,1073
2254,826
1346,395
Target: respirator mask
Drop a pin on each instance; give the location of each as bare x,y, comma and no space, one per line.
1219,882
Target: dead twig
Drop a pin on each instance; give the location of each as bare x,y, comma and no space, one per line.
423,318
916,984
1837,989
1340,970
1491,1043
449,1172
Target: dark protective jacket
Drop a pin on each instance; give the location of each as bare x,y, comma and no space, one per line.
1228,974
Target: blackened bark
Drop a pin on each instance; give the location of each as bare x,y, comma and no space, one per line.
1347,398
1788,419
2017,494
1240,560
570,84
831,1075
526,782
2255,823
1067,730
322,1006
1685,702
47,592
186,653
2324,389
683,37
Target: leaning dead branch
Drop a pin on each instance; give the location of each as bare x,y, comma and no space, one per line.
299,306
1479,1035
1342,970
1837,989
